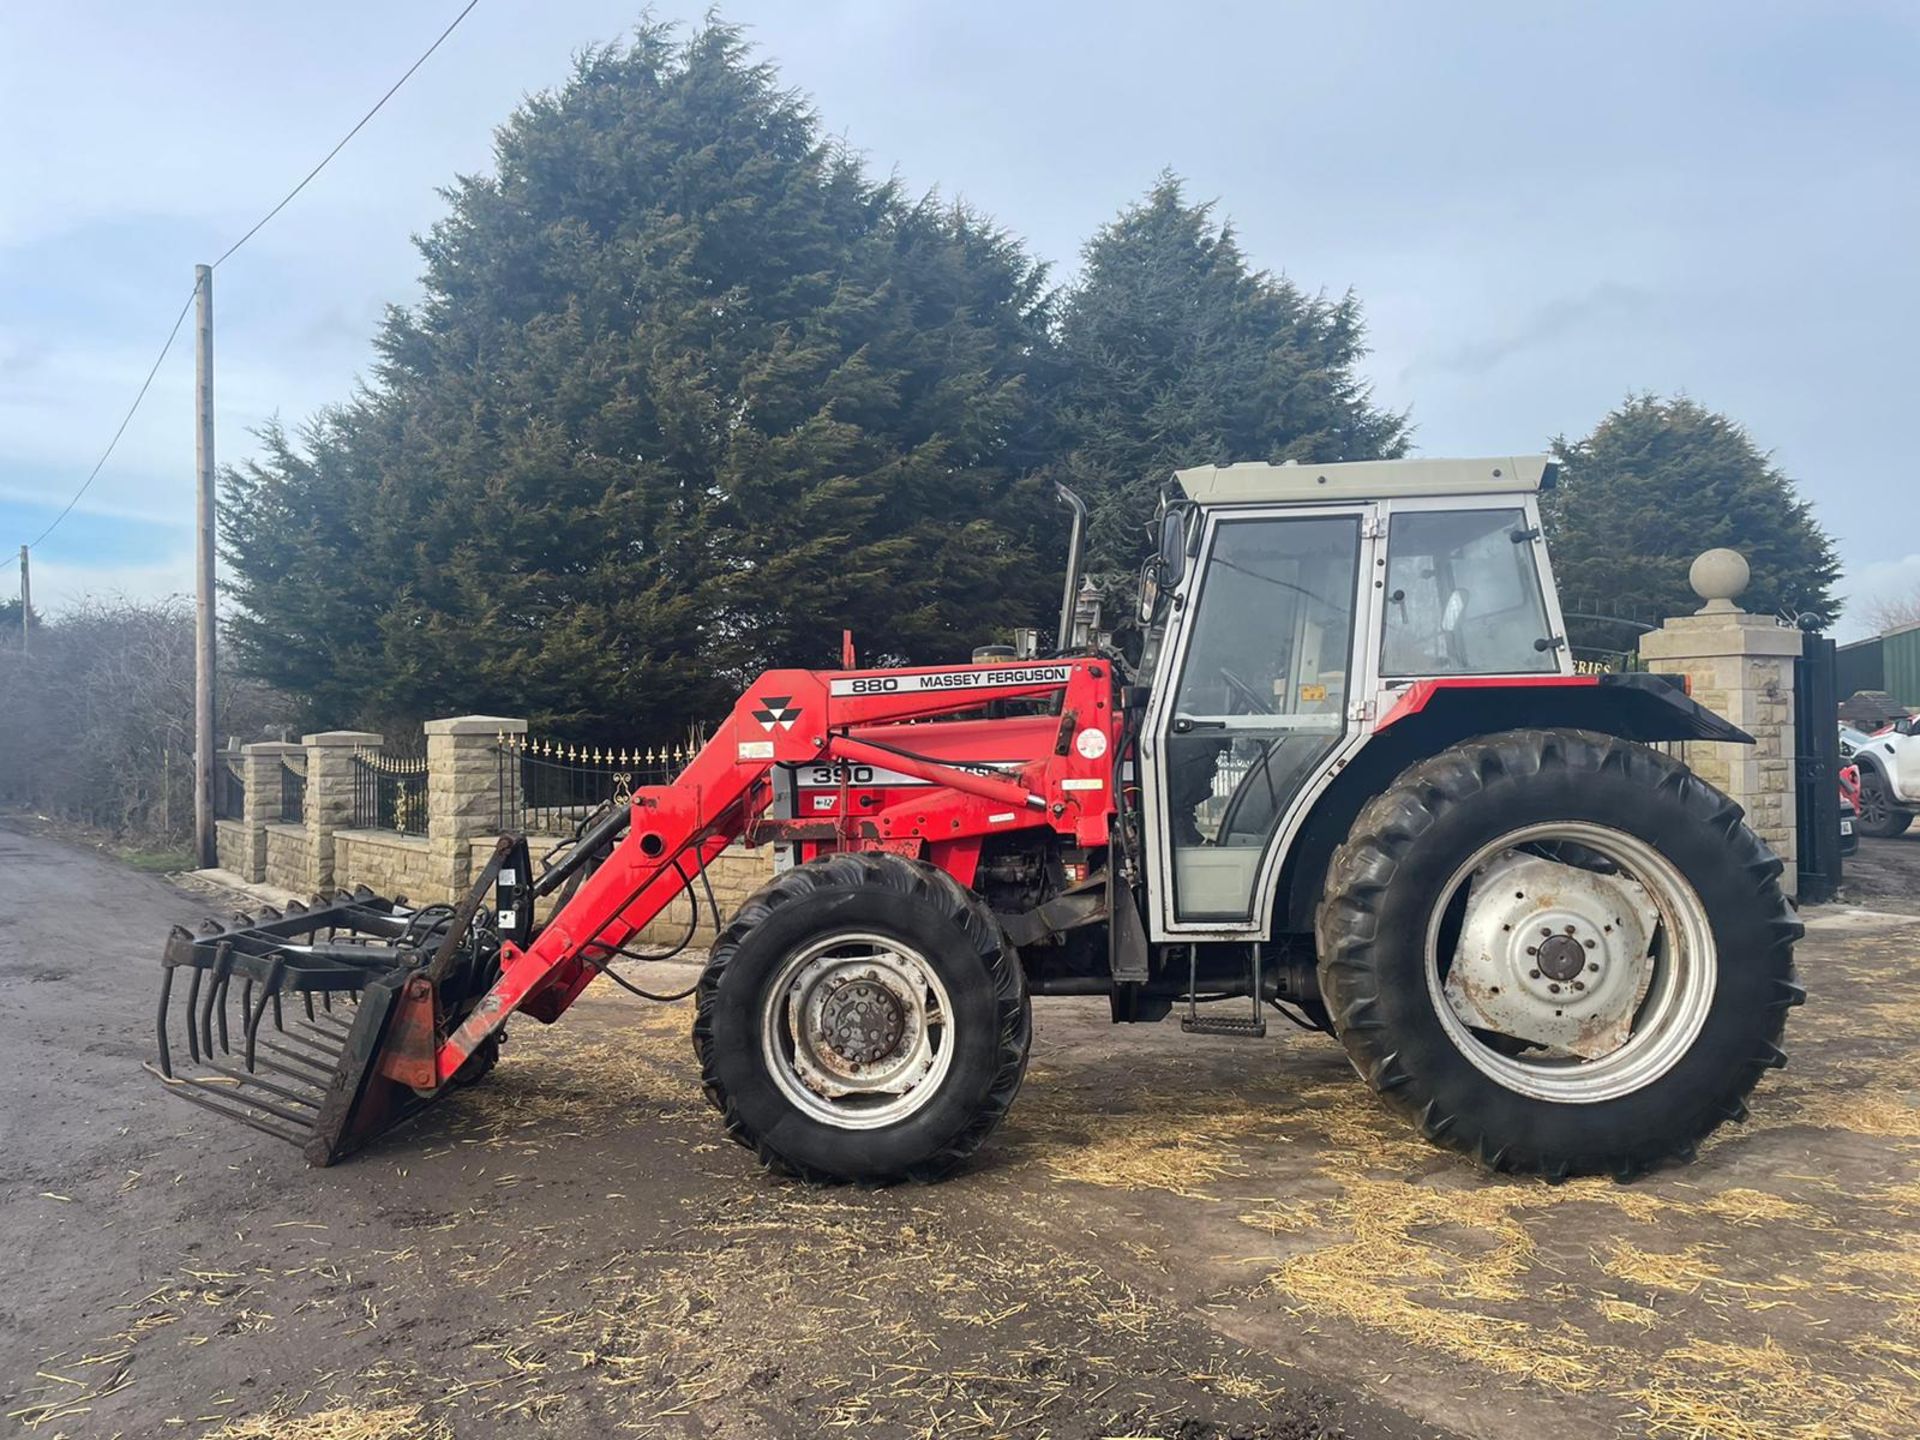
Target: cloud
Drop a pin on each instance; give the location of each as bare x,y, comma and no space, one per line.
1883,580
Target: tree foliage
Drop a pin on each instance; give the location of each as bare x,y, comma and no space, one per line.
687,394
1174,353
96,721
1657,482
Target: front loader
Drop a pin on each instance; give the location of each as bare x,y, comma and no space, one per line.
1353,778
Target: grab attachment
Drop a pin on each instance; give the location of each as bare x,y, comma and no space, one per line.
318,1024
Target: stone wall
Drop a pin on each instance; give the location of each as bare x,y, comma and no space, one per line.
736,873
387,863
289,858
1740,666
233,846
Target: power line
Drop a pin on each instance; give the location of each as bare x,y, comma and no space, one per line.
424,57
227,254
125,420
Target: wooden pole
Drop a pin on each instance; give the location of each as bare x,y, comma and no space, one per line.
205,846
26,604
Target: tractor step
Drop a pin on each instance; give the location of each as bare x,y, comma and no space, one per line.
1250,1027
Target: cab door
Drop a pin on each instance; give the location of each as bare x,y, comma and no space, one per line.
1252,704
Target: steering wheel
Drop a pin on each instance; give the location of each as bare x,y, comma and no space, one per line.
1256,703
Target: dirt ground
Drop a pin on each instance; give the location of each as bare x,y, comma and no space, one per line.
1883,875
1173,1236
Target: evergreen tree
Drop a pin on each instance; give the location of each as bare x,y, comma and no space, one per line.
1175,353
686,395
1657,482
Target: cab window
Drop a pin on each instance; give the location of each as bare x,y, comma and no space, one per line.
1463,596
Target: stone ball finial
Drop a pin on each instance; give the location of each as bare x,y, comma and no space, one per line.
1717,576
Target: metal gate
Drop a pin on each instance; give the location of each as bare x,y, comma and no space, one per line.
1816,770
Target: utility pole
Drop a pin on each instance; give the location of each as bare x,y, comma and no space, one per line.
26,604
205,847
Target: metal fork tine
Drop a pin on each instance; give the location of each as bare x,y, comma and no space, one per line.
193,1006
166,993
269,989
307,1069
310,1100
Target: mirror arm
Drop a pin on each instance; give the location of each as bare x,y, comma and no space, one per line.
1075,542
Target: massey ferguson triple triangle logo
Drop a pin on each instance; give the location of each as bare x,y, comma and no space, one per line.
775,711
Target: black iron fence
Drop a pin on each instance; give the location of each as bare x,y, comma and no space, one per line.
229,787
293,790
548,786
389,792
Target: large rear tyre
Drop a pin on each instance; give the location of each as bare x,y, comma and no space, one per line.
1880,815
1559,952
863,1019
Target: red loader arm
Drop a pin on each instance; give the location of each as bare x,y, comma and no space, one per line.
790,717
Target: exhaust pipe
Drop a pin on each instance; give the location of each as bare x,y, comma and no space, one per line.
1075,542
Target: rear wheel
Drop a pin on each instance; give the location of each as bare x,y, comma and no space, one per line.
1559,952
1880,816
863,1018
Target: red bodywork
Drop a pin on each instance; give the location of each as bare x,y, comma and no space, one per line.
935,791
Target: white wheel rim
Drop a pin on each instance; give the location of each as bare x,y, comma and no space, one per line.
1669,1006
857,1030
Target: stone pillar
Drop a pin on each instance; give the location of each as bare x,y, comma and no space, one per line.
330,793
463,793
1740,666
260,767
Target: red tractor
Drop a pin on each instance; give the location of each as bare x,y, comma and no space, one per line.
1353,777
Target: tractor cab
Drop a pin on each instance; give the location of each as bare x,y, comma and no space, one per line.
1288,608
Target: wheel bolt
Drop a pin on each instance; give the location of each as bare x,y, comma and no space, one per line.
1533,974
1533,949
1589,944
1546,930
1569,929
1593,969
1553,989
1579,984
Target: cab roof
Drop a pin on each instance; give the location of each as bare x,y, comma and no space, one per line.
1254,483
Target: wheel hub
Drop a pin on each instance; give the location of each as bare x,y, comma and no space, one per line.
863,1021
1553,954
1561,957
855,1030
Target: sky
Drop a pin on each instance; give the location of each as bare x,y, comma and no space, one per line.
1542,208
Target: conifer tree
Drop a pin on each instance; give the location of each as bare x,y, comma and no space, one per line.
1657,482
1175,353
686,395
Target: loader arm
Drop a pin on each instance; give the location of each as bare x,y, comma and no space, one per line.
798,717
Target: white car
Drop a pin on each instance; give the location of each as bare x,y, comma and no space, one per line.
1889,761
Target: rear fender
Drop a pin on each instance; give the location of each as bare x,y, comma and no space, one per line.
1431,715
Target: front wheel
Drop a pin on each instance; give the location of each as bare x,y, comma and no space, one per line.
1559,952
863,1018
1880,815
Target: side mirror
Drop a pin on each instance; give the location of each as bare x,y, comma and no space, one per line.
1173,547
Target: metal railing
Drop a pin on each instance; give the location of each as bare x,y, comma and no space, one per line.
389,792
293,791
548,786
229,788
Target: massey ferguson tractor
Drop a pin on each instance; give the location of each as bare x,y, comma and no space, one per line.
1354,778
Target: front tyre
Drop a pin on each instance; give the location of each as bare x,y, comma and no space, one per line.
863,1019
1559,952
1880,814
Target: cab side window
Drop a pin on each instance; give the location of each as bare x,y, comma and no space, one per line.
1463,596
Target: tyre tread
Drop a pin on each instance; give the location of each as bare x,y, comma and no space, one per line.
860,870
1362,869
